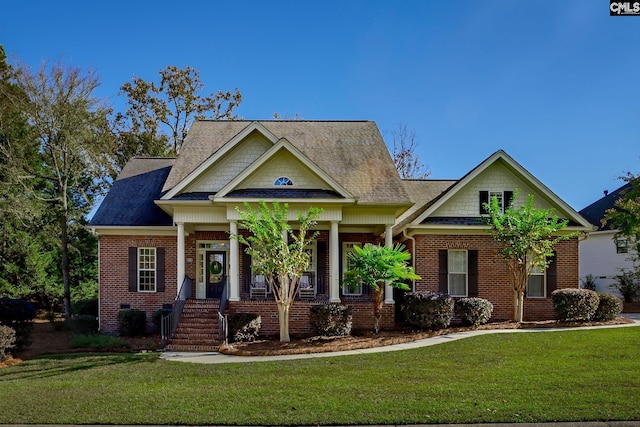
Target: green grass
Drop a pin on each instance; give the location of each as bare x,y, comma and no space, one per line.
527,377
96,341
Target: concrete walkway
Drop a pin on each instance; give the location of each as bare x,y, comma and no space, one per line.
214,357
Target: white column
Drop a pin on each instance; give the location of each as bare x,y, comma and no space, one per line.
334,263
181,260
234,263
388,242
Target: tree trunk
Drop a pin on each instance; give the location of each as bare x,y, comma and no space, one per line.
66,276
377,307
518,306
283,320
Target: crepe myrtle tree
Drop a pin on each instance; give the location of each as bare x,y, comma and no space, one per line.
526,236
377,266
278,251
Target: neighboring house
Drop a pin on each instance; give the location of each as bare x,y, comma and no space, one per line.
165,227
602,254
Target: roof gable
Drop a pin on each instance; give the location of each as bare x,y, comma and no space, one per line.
596,211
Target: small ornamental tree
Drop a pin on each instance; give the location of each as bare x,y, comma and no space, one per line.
278,252
377,266
526,236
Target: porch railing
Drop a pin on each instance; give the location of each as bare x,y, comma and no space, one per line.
169,323
223,327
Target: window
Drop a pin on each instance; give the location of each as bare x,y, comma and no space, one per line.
457,274
504,200
622,246
147,269
283,180
347,265
536,284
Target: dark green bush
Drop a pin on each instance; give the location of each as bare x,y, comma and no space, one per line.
331,320
156,317
589,282
628,284
132,322
243,327
84,324
473,311
608,308
85,306
427,310
18,314
575,304
7,340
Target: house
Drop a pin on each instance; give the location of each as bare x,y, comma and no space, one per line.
164,228
602,255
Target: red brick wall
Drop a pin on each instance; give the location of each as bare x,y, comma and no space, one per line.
493,280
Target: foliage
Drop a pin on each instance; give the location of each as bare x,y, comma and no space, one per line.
575,304
19,315
156,317
244,327
609,307
404,156
428,310
159,115
97,341
278,253
7,340
132,323
84,324
86,306
331,320
526,236
473,311
589,282
379,266
628,284
625,215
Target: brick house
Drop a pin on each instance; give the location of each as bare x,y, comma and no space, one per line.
164,228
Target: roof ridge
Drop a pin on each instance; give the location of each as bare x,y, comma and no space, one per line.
286,120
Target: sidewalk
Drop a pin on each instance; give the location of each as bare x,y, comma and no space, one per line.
214,357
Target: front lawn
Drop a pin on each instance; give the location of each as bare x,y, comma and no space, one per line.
525,377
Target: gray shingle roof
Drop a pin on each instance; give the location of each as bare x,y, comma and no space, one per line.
595,212
423,193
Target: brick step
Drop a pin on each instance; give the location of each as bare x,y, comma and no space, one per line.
194,337
199,315
188,347
197,325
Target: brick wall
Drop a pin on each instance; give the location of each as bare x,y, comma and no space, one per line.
493,280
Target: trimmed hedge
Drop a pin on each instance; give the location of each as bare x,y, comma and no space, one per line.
331,320
84,324
473,311
18,314
132,322
608,308
7,340
243,327
427,310
85,306
156,317
575,304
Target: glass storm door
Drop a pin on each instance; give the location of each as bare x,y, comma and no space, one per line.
216,273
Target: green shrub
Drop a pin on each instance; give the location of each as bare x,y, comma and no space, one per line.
589,282
18,314
575,304
97,341
7,340
608,308
132,322
156,317
85,306
628,285
427,310
331,320
84,324
243,327
473,311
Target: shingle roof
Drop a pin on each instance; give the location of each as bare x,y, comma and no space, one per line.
595,212
351,152
283,193
130,201
423,193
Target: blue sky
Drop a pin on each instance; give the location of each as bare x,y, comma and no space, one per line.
553,83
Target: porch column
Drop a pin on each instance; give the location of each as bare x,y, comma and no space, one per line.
388,242
234,263
334,263
181,261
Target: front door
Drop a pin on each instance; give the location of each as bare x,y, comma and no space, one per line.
216,273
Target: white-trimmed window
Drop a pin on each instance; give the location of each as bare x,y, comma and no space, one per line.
347,264
282,180
312,251
499,195
146,269
622,246
536,286
458,273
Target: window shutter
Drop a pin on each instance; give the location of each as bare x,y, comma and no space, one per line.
473,272
443,271
133,269
508,197
246,269
484,198
321,266
552,275
160,286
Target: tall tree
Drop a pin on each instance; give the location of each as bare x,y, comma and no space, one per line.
625,215
75,144
526,236
278,252
378,266
403,153
159,114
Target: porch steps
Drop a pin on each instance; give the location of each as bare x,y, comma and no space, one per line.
198,327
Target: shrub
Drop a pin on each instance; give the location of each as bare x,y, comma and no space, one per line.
85,306
428,310
589,282
608,308
97,341
84,324
132,322
473,311
575,304
7,340
331,320
628,285
243,327
156,317
18,314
